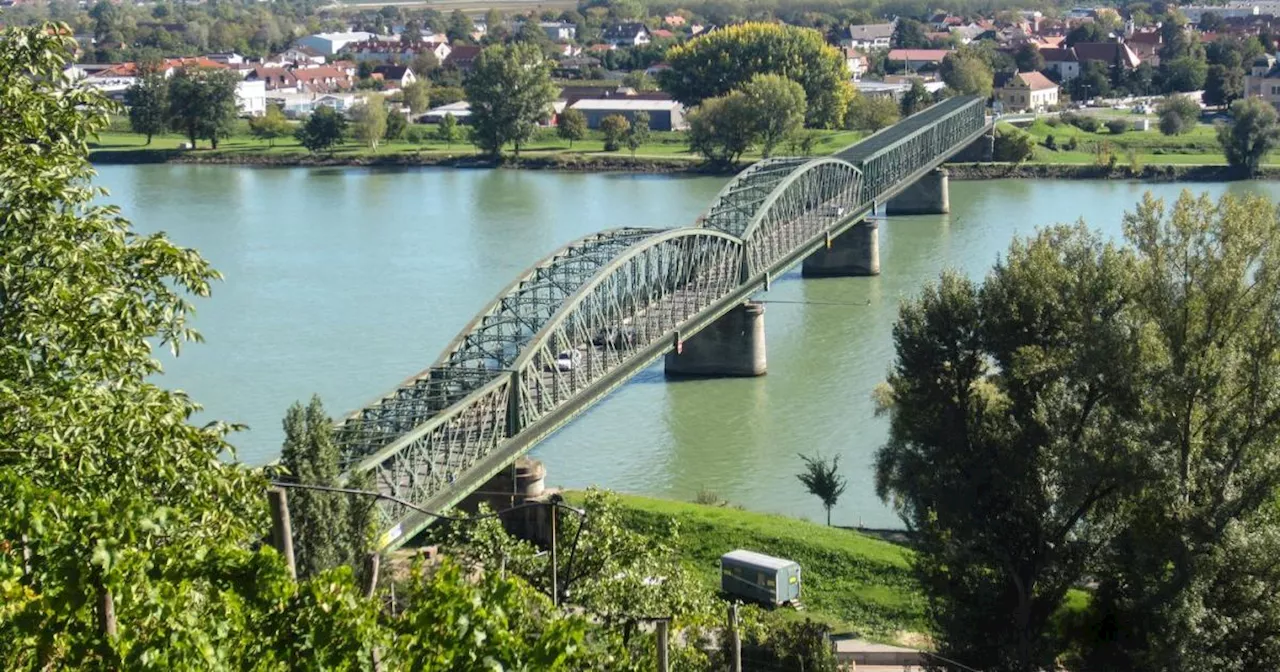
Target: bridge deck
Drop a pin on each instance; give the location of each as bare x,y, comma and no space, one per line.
599,310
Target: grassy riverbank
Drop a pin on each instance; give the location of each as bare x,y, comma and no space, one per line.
665,151
1060,143
851,580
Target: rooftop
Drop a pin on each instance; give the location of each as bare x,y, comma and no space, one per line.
629,104
758,559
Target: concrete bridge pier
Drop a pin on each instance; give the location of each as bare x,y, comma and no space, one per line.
930,195
856,252
732,346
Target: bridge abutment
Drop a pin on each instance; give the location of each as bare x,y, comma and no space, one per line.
856,252
733,346
930,195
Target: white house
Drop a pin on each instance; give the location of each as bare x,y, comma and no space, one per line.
869,36
251,98
300,56
627,35
559,31
331,43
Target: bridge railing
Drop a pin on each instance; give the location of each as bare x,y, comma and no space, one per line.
896,153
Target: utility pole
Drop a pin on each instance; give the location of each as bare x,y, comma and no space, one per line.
281,529
555,570
735,640
663,634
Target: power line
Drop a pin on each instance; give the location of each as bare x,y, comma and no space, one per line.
818,303
406,503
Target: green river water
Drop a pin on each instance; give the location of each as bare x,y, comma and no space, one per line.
343,282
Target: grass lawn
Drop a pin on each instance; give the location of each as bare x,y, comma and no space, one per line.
851,581
664,145
1197,147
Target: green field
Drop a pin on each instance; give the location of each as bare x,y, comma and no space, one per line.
1151,148
851,580
661,145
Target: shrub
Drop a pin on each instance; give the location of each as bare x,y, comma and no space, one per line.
416,134
1072,144
1117,126
1178,114
1013,145
1053,121
1086,123
1049,142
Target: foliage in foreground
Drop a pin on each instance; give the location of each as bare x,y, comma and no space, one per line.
1105,412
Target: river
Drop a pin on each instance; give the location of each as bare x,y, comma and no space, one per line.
342,282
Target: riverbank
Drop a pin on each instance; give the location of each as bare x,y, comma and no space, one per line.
1066,171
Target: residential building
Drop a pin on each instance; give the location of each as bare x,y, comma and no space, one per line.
331,43
1146,45
664,115
229,58
251,98
673,20
869,36
400,75
857,62
559,31
273,79
462,57
460,110
1025,91
322,79
894,88
1264,82
1232,10
915,59
301,55
380,51
1114,54
1062,61
627,35
662,34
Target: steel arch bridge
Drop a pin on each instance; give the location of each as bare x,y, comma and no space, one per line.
614,302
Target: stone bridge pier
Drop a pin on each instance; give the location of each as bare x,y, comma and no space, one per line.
732,346
929,195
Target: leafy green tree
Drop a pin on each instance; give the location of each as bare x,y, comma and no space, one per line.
1223,85
1250,135
638,132
722,61
615,128
460,27
270,126
418,96
1013,145
202,104
1177,115
572,126
1007,404
640,81
1028,58
424,63
310,454
1085,32
322,130
510,91
909,34
396,125
872,113
1183,583
823,480
916,98
966,72
1093,81
447,130
722,129
780,106
148,103
1187,73
369,119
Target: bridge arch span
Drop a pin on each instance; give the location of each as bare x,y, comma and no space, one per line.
737,202
641,298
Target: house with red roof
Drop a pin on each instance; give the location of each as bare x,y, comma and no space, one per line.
462,57
915,59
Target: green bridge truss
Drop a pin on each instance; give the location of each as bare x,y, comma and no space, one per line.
620,299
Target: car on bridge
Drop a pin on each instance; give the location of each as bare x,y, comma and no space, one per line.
566,361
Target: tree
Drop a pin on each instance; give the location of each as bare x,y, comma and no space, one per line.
779,106
460,27
148,103
872,113
423,64
270,126
1199,538
916,98
510,91
417,96
640,81
909,34
1177,114
823,480
1210,22
722,129
1084,32
322,130
310,454
1028,58
370,121
966,72
1223,85
1251,133
1187,73
572,126
718,63
447,130
615,128
1012,145
1093,81
202,103
396,125
1006,403
638,132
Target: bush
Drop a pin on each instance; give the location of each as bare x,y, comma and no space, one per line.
1117,126
1054,121
1049,142
416,134
1013,145
1178,114
1072,144
1086,123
